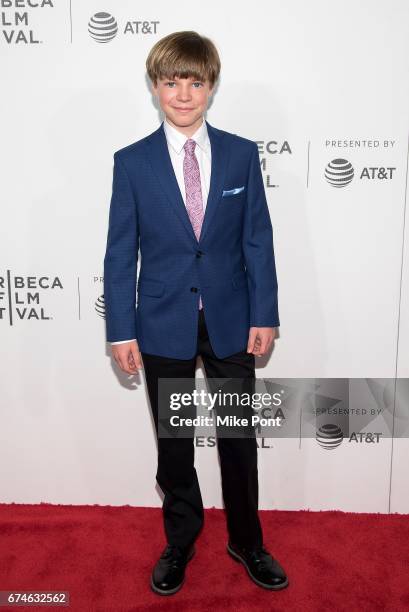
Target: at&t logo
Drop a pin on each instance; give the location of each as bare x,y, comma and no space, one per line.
102,27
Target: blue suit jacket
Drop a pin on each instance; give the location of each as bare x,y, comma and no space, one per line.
232,265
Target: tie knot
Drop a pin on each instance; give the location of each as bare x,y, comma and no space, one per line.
189,146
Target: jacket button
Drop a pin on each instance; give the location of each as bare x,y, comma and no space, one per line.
194,289
199,253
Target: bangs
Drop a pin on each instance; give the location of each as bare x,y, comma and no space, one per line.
184,55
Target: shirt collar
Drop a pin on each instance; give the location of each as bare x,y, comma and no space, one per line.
177,140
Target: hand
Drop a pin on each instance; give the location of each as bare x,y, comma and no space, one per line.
260,340
127,356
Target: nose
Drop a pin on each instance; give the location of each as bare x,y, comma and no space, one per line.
184,92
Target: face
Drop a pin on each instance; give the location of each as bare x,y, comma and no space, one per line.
183,101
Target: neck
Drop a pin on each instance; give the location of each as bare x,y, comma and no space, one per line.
187,130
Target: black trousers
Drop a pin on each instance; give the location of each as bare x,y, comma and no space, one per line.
176,475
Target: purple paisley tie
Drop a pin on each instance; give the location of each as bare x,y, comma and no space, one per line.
194,200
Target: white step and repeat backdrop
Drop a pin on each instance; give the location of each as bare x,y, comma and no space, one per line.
322,92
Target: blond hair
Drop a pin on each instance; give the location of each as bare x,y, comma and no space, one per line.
184,54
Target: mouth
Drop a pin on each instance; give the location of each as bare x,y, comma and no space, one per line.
183,110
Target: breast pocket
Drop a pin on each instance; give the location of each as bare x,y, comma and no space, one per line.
234,195
233,202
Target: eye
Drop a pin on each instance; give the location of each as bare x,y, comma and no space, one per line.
169,83
198,83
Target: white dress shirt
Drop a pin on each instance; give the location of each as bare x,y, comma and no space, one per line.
176,141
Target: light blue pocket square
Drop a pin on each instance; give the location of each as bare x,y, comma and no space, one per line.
229,192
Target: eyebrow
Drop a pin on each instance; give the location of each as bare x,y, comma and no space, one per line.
190,79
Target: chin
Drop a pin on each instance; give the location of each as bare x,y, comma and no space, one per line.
183,119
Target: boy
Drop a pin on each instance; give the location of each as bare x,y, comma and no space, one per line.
192,198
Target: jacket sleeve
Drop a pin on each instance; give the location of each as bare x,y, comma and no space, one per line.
121,258
259,251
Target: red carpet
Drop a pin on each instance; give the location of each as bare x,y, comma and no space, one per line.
103,556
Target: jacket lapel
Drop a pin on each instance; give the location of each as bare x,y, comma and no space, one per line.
157,149
220,159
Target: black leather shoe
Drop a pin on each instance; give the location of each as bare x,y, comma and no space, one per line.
168,574
262,568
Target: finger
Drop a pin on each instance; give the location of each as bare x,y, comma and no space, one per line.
257,345
262,350
251,340
127,369
131,362
121,361
261,347
136,356
128,364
